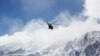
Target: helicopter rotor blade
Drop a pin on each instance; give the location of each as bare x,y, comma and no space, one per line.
46,21
54,22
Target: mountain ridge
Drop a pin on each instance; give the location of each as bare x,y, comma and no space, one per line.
87,45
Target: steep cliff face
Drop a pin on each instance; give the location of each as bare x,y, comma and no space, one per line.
87,45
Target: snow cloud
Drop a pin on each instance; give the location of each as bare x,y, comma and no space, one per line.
92,8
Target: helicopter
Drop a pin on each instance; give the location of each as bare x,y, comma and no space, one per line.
50,25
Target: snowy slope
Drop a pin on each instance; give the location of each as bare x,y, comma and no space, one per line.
87,45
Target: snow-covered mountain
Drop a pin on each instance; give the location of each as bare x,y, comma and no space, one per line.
87,45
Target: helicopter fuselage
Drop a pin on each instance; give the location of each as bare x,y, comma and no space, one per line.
50,26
